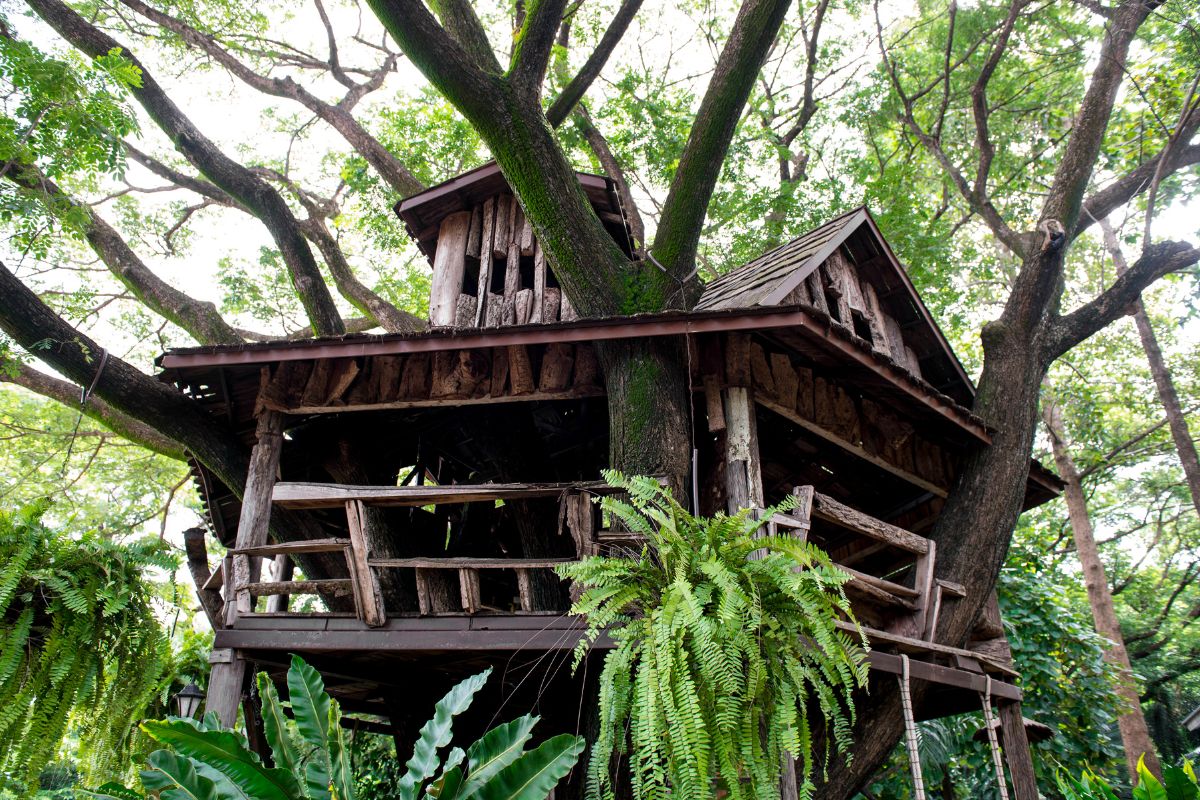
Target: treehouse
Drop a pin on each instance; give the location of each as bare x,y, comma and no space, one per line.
409,495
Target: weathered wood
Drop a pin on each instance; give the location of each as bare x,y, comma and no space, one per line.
537,314
1016,752
464,315
367,592
338,587
878,597
345,370
386,377
846,282
905,644
875,317
808,424
525,589
501,232
737,359
415,379
803,510
760,370
895,339
835,410
826,508
315,390
459,562
512,282
524,306
457,373
924,570
225,682
499,379
839,309
468,586
551,304
556,367
217,579
485,261
713,407
434,594
331,545
479,397
335,495
743,469
786,379
520,370
475,232
816,292
449,265
256,507
528,243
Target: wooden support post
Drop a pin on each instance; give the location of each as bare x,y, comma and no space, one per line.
1016,751
743,472
803,510
788,787
284,569
228,672
366,586
225,682
468,585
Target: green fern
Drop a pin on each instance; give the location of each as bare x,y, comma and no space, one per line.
79,644
719,656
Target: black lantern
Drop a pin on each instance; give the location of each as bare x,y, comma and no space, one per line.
187,702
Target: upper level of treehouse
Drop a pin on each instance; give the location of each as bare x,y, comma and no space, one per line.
425,484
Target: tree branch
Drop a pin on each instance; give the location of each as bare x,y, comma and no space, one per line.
532,46
338,117
248,190
34,326
678,235
460,21
1157,260
574,91
68,394
200,319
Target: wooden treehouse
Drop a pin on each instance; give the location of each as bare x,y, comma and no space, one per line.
429,483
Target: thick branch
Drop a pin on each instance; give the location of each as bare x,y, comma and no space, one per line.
199,318
613,169
460,20
68,394
34,326
1134,182
686,207
1157,260
574,91
532,46
247,189
390,168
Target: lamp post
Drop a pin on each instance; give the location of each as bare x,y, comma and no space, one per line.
187,702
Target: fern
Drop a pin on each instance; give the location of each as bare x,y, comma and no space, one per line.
719,659
80,647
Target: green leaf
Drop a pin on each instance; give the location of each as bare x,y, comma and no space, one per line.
115,791
495,750
1179,785
435,734
174,777
275,726
534,774
310,705
225,753
340,767
1149,787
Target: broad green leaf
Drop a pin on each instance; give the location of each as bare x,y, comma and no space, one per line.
225,753
534,774
1148,787
495,750
1178,785
316,780
435,734
341,770
275,726
448,786
174,777
310,705
115,791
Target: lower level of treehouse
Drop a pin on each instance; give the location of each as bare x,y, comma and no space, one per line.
450,614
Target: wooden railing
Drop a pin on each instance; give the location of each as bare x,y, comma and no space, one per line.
899,597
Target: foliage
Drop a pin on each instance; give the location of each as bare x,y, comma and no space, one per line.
78,641
1178,783
312,753
719,653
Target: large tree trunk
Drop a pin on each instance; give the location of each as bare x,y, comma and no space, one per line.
1135,736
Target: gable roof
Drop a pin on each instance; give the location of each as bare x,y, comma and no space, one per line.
772,278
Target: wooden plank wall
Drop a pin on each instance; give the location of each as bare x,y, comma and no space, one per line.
448,377
497,238
836,412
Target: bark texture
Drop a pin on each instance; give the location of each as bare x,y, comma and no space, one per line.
1135,736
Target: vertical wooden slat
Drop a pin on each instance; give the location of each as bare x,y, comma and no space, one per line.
485,261
256,507
284,569
803,510
539,284
366,589
424,599
525,589
468,586
743,469
924,584
449,265
1016,751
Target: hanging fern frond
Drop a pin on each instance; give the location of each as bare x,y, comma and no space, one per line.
725,643
79,644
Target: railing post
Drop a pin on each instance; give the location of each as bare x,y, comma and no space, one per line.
368,597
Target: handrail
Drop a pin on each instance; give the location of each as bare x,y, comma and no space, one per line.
290,494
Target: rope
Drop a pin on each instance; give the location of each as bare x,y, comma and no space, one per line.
910,732
993,740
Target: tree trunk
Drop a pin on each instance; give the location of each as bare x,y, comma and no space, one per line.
1135,736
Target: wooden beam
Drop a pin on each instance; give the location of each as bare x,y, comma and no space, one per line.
812,427
338,587
335,495
826,508
366,588
1016,751
332,545
531,396
457,563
